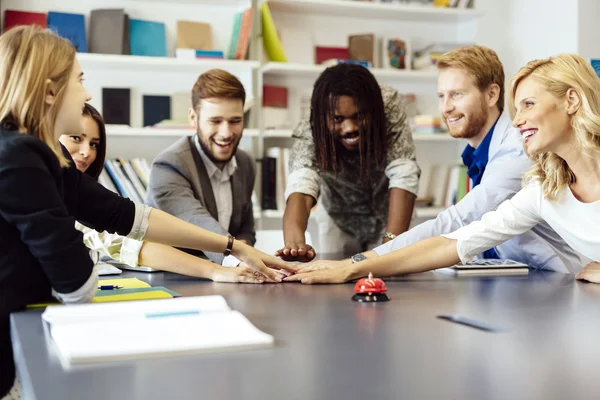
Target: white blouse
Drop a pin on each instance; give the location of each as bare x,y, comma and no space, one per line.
576,222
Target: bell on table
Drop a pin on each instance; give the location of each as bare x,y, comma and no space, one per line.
370,290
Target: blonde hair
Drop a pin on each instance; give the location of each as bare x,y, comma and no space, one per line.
29,57
479,61
558,74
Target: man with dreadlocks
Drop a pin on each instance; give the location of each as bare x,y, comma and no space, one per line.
355,158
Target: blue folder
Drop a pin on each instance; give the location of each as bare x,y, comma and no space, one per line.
69,26
147,38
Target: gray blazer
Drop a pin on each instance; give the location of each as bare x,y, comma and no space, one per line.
180,186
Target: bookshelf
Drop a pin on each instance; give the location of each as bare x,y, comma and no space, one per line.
328,22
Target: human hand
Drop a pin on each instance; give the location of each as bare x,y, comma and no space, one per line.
239,274
269,266
320,265
296,252
334,275
590,273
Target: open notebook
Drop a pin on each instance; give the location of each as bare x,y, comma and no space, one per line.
90,333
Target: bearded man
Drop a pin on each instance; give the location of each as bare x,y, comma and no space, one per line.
205,179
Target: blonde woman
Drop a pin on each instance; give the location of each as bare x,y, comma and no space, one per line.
42,193
556,105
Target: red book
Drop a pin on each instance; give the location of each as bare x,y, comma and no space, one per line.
275,96
324,53
14,18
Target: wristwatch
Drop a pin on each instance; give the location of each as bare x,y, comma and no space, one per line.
358,258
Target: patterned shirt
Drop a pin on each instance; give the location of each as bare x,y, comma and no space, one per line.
358,208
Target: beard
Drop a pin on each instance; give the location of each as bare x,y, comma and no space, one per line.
472,125
206,144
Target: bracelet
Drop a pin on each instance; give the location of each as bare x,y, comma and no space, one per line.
389,235
229,246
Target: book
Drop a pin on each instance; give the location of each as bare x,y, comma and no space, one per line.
147,38
362,48
194,35
116,106
490,263
89,333
14,18
71,27
156,109
109,31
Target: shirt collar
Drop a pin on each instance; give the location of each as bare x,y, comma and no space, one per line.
476,159
211,168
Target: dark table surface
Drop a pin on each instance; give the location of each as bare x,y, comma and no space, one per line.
329,347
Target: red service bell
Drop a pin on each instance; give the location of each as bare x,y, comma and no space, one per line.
370,290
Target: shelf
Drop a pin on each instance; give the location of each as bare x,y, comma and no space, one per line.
362,10
118,130
169,64
309,71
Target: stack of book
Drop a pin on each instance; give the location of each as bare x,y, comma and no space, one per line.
128,178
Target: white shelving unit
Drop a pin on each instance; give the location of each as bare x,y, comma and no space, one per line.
327,22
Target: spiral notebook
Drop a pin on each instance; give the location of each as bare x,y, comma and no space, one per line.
92,333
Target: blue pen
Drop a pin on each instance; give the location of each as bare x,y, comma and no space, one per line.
109,287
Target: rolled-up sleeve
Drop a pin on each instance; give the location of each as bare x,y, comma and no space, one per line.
402,169
303,177
513,217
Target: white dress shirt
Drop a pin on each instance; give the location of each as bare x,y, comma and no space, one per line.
540,247
576,222
220,181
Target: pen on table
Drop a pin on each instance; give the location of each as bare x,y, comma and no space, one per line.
109,287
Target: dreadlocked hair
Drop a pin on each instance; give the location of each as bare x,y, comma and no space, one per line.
357,82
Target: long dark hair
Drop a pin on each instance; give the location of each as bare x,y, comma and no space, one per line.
96,167
357,82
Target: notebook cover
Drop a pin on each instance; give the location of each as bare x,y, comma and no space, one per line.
116,103
147,38
69,26
156,109
108,31
14,18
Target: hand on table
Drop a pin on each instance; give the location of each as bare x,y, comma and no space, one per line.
321,265
262,263
332,275
296,252
239,274
590,273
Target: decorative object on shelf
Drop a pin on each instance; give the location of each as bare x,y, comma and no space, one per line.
395,53
14,18
192,54
109,31
271,41
69,26
595,62
362,48
194,35
147,38
116,106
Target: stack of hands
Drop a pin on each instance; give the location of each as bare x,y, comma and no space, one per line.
296,263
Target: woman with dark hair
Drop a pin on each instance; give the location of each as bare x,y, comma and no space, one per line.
355,155
88,150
